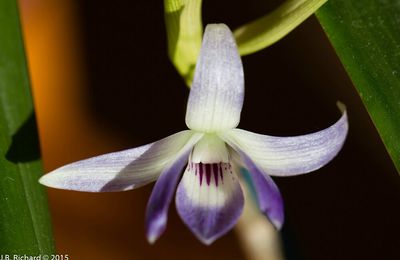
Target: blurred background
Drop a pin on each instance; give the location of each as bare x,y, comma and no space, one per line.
102,82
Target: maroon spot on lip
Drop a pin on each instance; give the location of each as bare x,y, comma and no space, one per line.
215,168
220,172
210,171
201,170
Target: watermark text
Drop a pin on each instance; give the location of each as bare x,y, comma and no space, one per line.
33,257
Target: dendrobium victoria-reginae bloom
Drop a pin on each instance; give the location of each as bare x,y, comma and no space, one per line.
209,197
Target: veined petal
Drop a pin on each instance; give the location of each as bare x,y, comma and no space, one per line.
216,97
209,199
269,198
287,156
119,171
163,191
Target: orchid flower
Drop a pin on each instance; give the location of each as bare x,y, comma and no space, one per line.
209,197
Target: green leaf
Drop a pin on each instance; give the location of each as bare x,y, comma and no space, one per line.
263,32
24,218
366,37
184,33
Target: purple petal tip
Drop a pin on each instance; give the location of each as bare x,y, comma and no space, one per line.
155,228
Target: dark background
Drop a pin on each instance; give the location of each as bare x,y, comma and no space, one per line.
346,210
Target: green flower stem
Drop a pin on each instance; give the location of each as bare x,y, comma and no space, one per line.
184,33
366,37
184,30
24,218
267,30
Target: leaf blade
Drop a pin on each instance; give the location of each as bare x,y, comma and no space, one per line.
366,37
24,219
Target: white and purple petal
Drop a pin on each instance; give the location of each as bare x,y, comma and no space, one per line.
119,171
209,199
164,189
269,198
287,156
216,96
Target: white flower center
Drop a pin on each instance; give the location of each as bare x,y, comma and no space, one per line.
209,178
210,149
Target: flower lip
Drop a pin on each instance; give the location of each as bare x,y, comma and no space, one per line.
209,199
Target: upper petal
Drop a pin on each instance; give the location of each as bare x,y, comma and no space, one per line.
216,97
286,156
119,171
